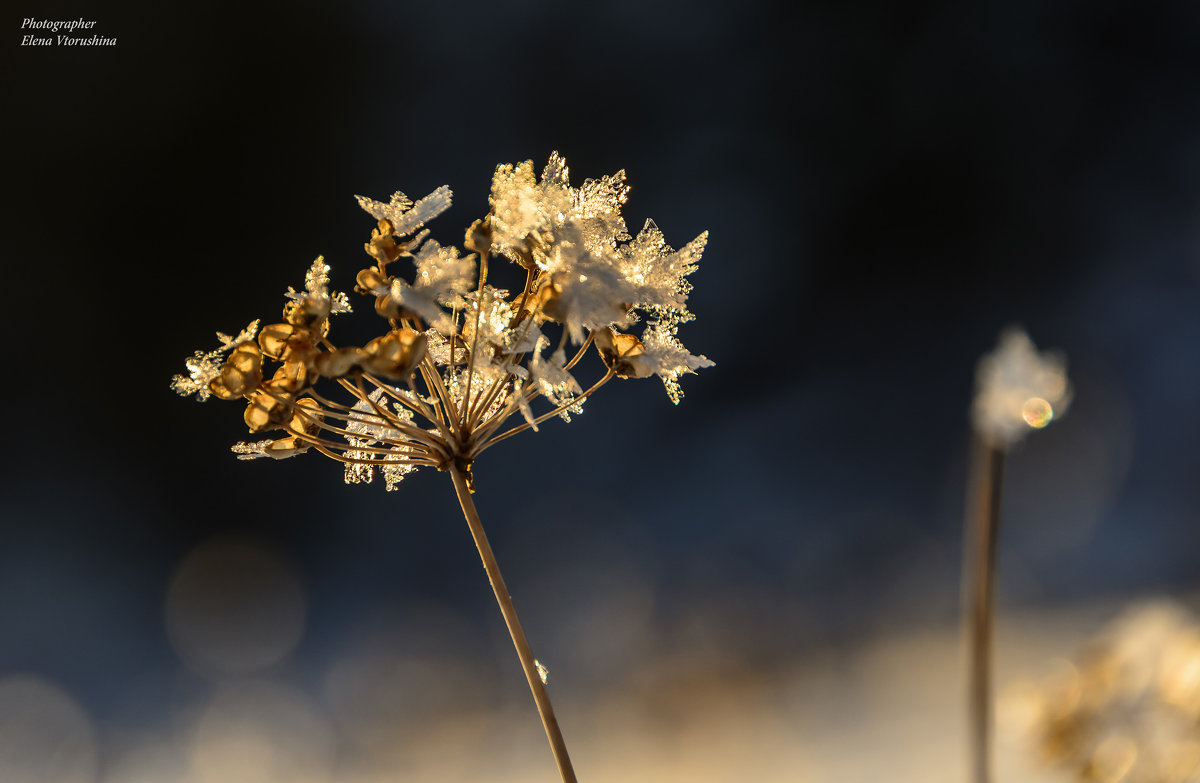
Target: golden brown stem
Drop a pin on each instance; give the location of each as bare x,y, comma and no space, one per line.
528,664
983,525
579,354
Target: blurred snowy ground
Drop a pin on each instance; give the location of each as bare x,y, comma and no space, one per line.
886,709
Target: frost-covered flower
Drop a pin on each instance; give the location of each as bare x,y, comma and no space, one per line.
460,357
1018,389
462,365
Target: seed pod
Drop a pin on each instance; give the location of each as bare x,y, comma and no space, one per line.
382,247
396,354
290,343
479,236
624,354
307,415
274,338
306,312
549,301
241,372
369,281
265,412
221,391
285,447
340,363
388,307
291,377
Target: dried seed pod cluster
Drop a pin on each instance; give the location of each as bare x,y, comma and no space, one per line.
460,356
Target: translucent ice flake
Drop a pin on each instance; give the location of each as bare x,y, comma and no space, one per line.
394,473
246,335
1018,389
370,425
442,274
656,271
316,286
204,366
405,216
492,320
553,380
527,215
597,211
255,450
518,207
584,291
438,348
668,359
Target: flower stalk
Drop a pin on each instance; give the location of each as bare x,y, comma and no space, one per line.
983,533
524,652
1017,390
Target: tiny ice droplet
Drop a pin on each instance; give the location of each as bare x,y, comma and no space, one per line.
543,672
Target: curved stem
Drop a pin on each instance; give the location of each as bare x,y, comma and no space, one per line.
528,664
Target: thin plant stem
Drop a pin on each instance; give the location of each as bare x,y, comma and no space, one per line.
524,653
983,523
471,360
538,420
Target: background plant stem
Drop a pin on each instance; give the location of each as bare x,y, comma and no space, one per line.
528,663
983,524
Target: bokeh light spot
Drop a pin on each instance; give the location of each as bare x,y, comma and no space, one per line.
45,736
261,732
234,608
1036,412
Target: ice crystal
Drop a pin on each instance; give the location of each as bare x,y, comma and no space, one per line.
439,349
251,450
372,425
204,366
555,382
316,285
523,208
657,272
668,359
405,216
369,419
441,280
490,319
1018,389
586,291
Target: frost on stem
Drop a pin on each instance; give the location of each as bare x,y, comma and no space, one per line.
457,358
1018,389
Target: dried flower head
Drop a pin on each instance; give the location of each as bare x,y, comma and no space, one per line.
1018,389
459,357
1127,707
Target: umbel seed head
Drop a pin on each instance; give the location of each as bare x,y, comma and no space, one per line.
459,358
